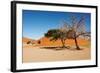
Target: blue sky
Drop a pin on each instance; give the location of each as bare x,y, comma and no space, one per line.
36,23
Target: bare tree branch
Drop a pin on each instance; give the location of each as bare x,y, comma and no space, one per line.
85,34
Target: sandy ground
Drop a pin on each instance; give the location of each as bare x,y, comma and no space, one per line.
39,54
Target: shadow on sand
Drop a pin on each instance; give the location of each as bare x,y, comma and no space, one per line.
59,48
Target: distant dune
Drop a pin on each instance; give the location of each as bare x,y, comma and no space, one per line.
25,40
46,42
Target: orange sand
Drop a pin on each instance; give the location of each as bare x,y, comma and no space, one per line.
69,42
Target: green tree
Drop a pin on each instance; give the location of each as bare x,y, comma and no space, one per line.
55,34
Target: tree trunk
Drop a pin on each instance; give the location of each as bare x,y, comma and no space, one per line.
63,43
76,43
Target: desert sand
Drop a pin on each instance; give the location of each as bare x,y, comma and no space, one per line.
43,53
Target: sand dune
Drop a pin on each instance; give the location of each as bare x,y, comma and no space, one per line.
25,40
46,42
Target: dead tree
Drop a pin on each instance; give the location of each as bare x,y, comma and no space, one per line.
77,29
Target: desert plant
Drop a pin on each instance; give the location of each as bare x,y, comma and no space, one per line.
77,29
39,42
55,34
28,42
72,31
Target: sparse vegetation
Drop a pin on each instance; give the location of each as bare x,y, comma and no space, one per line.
28,42
72,31
39,42
77,29
56,34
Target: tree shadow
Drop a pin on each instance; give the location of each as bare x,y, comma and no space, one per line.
75,49
60,48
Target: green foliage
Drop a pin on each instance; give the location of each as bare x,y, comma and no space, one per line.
54,34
